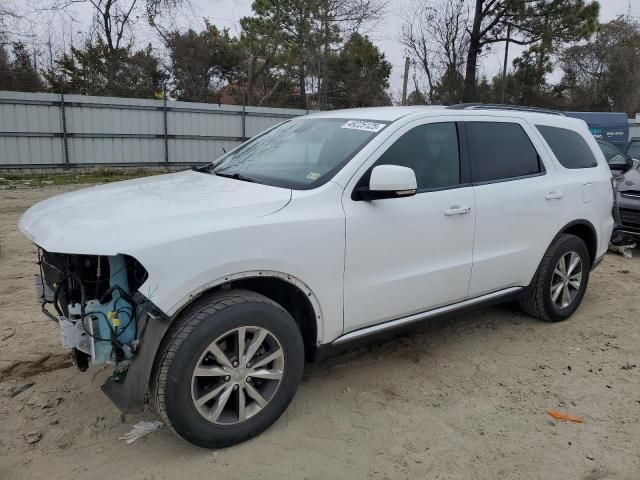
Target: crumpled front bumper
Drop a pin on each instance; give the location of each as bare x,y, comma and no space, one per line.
130,391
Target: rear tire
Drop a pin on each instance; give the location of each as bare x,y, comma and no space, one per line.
558,286
207,352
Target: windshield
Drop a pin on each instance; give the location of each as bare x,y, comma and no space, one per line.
634,150
299,154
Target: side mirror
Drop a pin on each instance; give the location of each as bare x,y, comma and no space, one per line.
389,181
620,162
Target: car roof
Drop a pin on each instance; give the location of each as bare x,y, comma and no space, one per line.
384,114
391,114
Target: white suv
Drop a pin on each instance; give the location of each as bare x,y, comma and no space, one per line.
208,289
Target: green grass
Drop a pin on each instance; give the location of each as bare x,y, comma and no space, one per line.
73,177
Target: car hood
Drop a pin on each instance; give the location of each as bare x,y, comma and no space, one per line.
124,216
629,180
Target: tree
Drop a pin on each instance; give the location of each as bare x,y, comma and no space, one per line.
604,73
547,22
416,97
106,63
359,75
18,72
115,19
291,23
307,33
259,47
338,19
436,38
8,15
96,70
7,81
25,73
201,62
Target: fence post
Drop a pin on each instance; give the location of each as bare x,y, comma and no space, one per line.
244,119
166,136
65,144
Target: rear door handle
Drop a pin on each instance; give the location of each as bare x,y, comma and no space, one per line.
554,195
456,210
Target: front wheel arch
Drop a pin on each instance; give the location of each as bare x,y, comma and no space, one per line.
291,293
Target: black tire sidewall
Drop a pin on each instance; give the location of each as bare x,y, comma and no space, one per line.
182,414
566,244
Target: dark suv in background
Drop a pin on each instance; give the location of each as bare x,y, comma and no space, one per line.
633,147
626,172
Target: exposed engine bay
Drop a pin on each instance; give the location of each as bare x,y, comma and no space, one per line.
95,305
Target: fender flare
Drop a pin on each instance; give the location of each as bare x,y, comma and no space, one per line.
188,299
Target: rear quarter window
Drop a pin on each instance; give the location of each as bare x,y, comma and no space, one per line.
571,150
500,151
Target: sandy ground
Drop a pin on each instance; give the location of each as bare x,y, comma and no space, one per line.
459,398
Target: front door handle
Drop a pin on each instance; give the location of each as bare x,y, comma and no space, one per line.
554,195
456,210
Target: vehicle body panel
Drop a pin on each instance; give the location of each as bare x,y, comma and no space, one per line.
595,206
133,215
514,223
405,255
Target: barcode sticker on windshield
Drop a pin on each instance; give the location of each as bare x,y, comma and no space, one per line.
364,125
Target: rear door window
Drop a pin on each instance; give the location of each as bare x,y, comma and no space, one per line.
500,151
569,147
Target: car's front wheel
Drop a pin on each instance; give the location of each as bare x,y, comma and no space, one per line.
558,287
229,369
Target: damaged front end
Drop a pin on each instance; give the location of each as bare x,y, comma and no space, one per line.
95,300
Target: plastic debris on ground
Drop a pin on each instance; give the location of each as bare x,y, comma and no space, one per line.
141,429
19,389
565,416
624,250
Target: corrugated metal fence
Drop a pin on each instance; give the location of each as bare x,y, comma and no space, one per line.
43,130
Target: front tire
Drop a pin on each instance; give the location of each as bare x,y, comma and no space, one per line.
229,369
559,285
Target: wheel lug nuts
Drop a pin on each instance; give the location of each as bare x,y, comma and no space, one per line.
235,364
248,365
235,387
227,378
248,379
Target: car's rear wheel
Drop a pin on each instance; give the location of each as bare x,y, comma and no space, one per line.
558,287
229,369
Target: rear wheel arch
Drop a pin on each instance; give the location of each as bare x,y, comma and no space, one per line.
584,230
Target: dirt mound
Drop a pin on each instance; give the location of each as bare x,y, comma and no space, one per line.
29,367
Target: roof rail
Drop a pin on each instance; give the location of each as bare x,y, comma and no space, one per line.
497,106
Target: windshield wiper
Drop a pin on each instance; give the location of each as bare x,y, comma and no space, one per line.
209,166
235,176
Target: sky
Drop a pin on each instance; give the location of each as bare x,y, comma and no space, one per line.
385,34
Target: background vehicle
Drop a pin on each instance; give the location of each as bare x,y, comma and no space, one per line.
633,147
612,127
627,180
628,205
209,289
617,160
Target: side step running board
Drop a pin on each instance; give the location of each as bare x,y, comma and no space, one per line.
380,327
